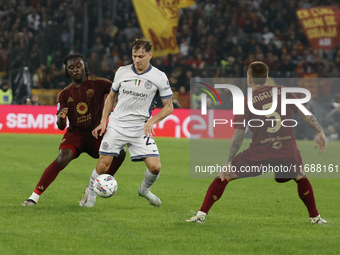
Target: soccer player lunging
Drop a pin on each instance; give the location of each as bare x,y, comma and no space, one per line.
137,87
272,145
82,103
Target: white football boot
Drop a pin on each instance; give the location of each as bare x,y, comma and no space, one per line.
154,200
90,203
198,218
317,220
86,201
28,202
86,195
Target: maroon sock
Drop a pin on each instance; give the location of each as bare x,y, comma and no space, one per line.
214,193
306,194
48,177
116,163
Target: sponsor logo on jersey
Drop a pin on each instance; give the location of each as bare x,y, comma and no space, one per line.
89,92
82,108
70,99
148,85
135,94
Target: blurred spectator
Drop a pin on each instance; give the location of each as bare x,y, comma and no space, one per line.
6,95
132,32
267,36
34,100
184,80
41,79
33,20
333,119
94,63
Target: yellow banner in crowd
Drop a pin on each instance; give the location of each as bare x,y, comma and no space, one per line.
321,26
159,20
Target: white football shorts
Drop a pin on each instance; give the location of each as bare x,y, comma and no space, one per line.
139,146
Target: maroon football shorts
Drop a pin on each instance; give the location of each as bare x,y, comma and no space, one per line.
284,168
79,143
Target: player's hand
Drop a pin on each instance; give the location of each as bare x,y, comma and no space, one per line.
321,141
99,130
148,129
63,113
223,174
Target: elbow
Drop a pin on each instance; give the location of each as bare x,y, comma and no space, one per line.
61,127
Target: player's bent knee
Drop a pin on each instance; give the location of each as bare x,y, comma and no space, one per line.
65,156
282,180
300,176
153,164
155,169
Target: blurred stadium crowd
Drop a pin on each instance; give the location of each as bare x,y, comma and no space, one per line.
216,39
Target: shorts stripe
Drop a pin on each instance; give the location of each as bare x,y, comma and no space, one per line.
108,154
141,157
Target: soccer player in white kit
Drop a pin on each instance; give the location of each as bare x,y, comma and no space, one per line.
137,87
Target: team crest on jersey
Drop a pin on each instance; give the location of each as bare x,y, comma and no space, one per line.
90,92
69,100
148,85
82,108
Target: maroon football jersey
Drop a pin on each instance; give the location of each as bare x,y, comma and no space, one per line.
85,103
272,139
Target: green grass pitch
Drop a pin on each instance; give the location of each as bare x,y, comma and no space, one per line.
255,216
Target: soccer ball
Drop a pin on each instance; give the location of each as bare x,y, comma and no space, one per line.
105,185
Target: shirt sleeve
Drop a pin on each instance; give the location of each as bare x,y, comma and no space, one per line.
116,81
164,88
62,103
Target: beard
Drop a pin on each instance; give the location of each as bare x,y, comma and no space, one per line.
78,79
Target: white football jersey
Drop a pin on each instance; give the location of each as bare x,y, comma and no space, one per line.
137,93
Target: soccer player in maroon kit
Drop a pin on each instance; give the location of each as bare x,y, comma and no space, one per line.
272,145
82,103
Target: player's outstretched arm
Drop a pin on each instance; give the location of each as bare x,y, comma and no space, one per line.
320,139
167,109
61,118
109,103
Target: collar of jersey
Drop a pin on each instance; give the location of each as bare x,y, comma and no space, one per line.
134,70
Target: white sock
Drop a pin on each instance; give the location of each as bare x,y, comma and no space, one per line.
35,197
200,213
149,179
94,175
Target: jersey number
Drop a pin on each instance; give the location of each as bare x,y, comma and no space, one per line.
277,116
148,142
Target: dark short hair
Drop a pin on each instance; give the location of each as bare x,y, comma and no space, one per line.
142,43
73,56
259,72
